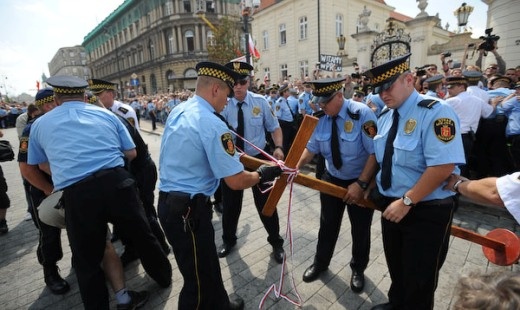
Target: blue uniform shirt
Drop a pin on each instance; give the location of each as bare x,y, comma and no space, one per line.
425,137
293,104
304,103
356,139
196,150
258,117
78,139
282,110
499,92
377,101
511,108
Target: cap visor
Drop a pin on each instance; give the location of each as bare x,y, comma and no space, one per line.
323,99
380,88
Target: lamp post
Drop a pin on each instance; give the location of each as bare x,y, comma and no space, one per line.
246,11
462,14
341,44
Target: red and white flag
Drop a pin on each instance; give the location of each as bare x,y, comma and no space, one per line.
252,49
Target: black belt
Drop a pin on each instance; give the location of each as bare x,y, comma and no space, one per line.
185,196
98,174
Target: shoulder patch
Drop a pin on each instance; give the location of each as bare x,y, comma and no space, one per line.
122,109
427,103
24,144
444,129
131,120
370,128
300,100
354,116
227,143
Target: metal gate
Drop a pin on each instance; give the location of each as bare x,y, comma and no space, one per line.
389,44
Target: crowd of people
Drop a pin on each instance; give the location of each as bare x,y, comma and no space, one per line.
410,140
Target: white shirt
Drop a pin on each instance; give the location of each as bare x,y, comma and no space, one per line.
469,109
509,190
478,92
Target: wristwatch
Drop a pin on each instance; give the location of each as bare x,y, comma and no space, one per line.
363,185
408,201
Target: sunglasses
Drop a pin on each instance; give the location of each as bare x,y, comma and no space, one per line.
241,82
492,68
358,96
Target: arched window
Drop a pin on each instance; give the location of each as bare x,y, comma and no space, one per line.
151,49
190,41
210,38
171,43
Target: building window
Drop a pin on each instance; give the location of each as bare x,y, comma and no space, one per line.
151,49
265,36
283,71
190,42
303,28
168,8
210,38
210,6
72,62
339,25
304,68
171,44
71,54
283,34
267,74
187,6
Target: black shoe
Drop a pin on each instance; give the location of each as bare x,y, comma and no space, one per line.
54,281
3,227
217,206
387,306
236,304
127,257
312,273
278,253
138,299
357,281
224,249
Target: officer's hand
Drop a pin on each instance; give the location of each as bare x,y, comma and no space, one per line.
268,173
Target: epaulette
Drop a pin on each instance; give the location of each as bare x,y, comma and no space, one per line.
318,114
354,116
385,110
123,110
427,103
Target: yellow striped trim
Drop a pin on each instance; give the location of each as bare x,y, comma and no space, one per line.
43,101
216,73
390,73
59,90
327,89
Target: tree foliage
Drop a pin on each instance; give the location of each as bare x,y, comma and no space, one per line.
226,41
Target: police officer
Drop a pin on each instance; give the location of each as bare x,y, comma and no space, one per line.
510,108
285,116
306,107
96,187
144,170
257,118
204,154
106,93
434,84
344,136
418,146
49,250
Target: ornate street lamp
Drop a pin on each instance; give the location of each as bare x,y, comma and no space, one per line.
341,44
462,14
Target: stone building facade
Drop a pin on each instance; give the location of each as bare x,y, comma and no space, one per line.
70,61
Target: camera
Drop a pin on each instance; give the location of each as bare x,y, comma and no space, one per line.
489,41
420,71
446,54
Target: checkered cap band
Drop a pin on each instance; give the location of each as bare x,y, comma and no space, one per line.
242,71
101,87
390,73
92,99
43,101
503,79
458,81
61,90
216,73
327,89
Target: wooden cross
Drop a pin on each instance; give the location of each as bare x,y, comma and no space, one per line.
500,246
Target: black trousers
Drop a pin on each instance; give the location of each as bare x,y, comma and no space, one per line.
415,250
288,132
514,151
332,210
188,227
490,148
467,143
5,202
108,196
49,250
232,207
146,178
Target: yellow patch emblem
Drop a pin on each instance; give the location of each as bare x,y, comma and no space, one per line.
256,111
348,125
410,125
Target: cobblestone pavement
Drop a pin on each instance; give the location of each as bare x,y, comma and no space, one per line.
248,271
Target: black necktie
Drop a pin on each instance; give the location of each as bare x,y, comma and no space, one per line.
386,169
240,126
334,145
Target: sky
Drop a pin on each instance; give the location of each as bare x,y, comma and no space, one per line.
34,30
